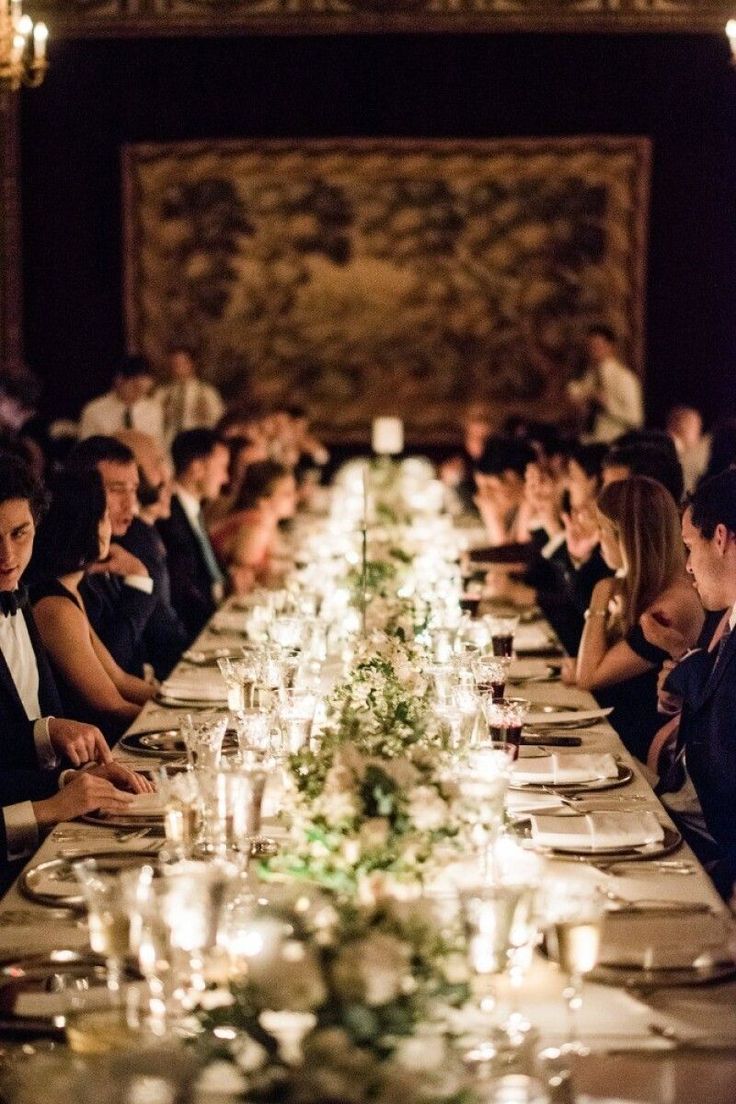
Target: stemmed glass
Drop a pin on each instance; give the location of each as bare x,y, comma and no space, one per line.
502,630
203,735
573,918
506,718
490,673
295,714
179,790
482,778
233,672
489,913
108,922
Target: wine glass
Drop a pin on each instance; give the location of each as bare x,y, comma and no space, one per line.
295,714
502,630
573,918
203,735
490,673
482,778
180,794
107,920
489,911
233,672
505,718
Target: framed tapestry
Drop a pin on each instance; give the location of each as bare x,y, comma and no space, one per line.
362,277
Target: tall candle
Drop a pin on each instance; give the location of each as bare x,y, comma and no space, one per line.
388,436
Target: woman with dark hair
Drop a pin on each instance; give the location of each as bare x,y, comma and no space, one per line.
246,541
74,534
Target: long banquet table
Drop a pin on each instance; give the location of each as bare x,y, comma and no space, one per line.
666,1046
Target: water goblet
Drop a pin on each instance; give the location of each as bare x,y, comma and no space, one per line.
490,673
107,920
295,714
232,674
180,793
573,918
482,779
203,734
489,911
287,632
505,718
253,729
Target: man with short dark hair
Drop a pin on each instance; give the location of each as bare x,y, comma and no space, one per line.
655,460
34,739
608,394
700,788
200,470
127,405
119,594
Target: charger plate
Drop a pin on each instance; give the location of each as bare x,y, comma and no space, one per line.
46,983
60,870
670,842
634,977
167,744
595,785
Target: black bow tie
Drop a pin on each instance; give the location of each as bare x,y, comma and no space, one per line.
13,600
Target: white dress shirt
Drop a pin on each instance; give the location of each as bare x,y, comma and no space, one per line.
189,404
21,829
618,391
106,415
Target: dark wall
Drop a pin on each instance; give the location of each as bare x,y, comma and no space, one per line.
680,90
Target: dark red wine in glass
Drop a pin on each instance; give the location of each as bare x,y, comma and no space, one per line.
496,689
503,644
507,734
469,604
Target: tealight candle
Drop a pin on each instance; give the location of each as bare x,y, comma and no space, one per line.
387,438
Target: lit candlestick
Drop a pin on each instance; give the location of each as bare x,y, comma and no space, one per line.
40,38
731,35
388,436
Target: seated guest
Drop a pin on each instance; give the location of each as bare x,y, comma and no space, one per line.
246,449
700,789
75,533
200,469
164,635
639,530
127,405
499,478
187,401
34,735
246,541
119,592
685,427
651,456
457,472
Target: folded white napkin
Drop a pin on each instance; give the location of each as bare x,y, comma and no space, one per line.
596,831
666,941
532,638
558,769
146,804
567,716
200,684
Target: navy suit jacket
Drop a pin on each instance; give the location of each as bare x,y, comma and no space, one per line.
119,615
17,749
191,583
164,637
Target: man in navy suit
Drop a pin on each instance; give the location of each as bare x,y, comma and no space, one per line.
700,788
200,470
34,741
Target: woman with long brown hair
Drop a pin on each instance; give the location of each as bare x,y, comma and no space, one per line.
640,541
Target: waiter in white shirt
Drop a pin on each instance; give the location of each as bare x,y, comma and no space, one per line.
187,402
128,405
609,394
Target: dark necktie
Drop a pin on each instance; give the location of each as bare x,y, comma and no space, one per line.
209,556
719,654
13,600
127,418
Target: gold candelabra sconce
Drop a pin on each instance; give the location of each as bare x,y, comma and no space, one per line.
22,48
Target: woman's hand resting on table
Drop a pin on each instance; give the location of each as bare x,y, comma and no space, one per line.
569,671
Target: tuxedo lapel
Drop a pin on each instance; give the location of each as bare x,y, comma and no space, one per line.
720,664
9,690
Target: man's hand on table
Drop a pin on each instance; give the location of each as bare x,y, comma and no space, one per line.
78,742
122,777
85,793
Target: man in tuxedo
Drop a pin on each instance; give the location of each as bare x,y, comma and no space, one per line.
34,741
700,788
118,595
201,470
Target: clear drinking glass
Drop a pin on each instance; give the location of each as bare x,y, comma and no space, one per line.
483,779
502,630
107,920
180,793
573,918
227,817
295,714
233,673
287,632
203,734
490,673
489,912
506,718
253,728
